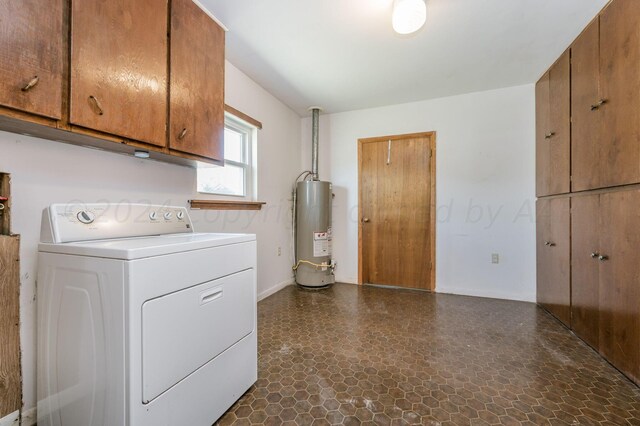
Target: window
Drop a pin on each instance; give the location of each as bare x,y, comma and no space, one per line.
236,177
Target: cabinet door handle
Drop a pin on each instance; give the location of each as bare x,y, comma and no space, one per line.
549,135
598,105
549,243
602,258
595,254
182,134
30,84
96,103
365,220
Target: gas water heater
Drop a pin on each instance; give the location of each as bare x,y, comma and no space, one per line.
312,199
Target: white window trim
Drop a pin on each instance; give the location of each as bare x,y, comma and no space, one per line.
250,175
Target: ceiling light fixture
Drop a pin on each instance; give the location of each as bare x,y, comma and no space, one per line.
408,15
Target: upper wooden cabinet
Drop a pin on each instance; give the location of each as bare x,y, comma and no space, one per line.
586,122
620,86
197,82
31,64
553,129
553,248
119,68
543,165
605,102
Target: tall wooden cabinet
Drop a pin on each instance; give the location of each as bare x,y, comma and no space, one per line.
31,64
600,300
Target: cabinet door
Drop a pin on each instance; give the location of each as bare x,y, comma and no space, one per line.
553,129
543,230
620,83
553,257
543,170
559,139
586,125
585,243
119,68
31,62
620,280
197,82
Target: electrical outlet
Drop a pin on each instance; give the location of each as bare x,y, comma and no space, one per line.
279,251
495,258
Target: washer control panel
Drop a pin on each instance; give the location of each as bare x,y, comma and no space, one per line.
83,222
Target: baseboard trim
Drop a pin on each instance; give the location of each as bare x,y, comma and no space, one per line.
12,419
276,288
484,294
29,417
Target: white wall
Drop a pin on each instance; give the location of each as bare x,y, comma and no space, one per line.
485,185
44,172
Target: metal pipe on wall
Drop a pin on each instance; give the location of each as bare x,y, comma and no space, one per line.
315,128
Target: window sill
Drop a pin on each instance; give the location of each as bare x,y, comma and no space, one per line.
225,205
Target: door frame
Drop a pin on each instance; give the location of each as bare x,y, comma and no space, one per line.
432,204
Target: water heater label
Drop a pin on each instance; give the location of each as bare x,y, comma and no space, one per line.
321,244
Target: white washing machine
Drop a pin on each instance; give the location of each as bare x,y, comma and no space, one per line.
141,321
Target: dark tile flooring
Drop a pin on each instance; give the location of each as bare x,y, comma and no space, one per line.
366,355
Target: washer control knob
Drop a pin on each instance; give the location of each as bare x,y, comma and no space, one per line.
168,215
180,215
153,215
86,217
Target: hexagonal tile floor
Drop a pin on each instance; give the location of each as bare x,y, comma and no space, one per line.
366,355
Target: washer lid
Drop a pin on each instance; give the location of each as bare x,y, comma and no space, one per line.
141,247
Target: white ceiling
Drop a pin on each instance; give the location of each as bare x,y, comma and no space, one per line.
343,54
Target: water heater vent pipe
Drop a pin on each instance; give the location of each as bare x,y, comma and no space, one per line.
315,117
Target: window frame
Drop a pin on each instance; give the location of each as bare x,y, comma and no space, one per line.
249,136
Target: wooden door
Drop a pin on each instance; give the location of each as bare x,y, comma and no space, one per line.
197,82
620,280
119,68
553,250
585,248
586,121
620,82
31,63
543,166
397,211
